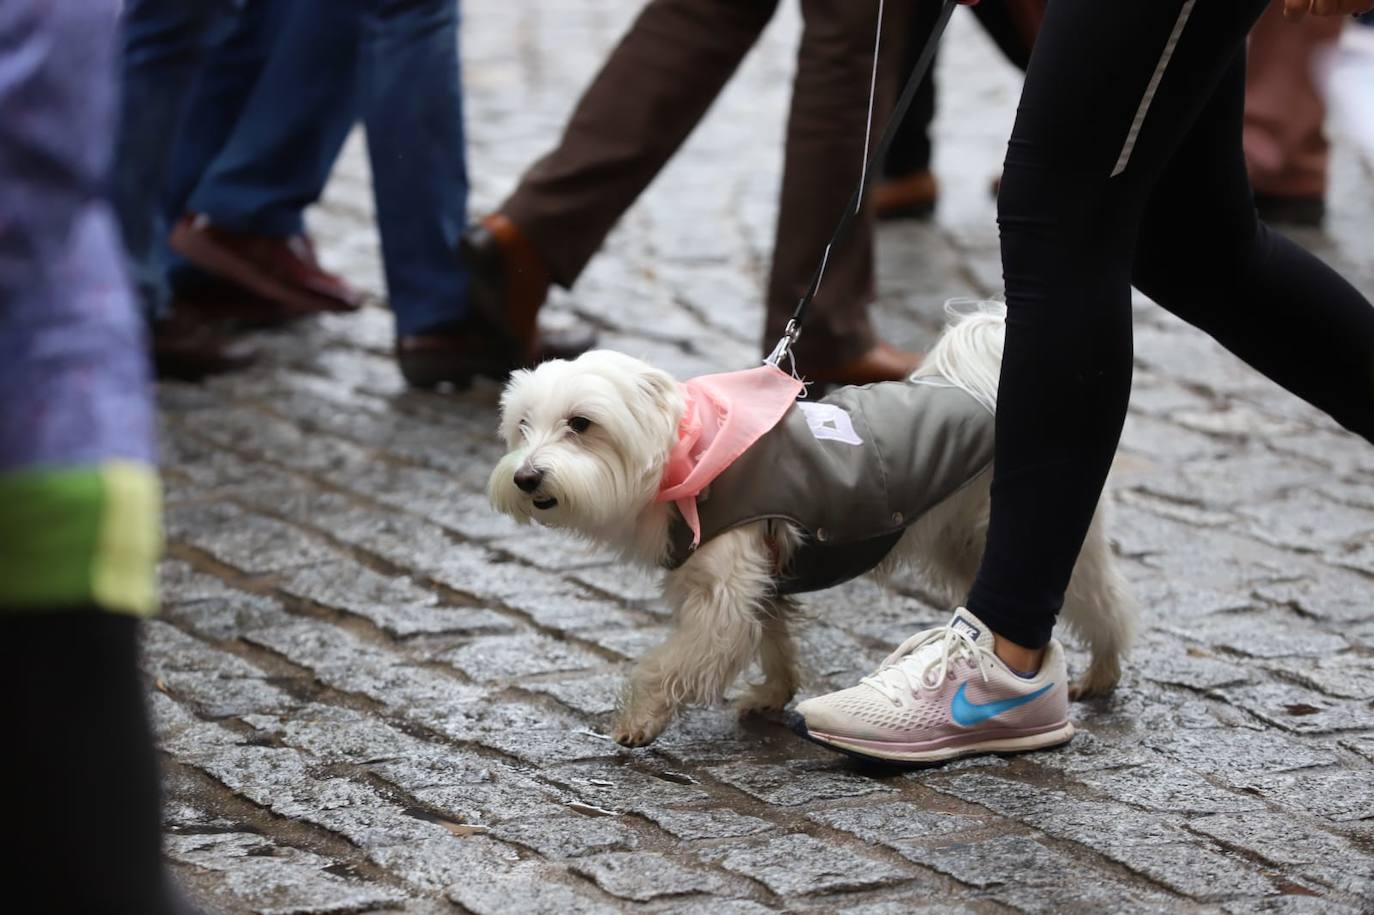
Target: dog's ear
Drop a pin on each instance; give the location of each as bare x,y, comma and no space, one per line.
662,405
661,389
514,383
510,397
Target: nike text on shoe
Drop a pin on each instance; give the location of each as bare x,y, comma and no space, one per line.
945,694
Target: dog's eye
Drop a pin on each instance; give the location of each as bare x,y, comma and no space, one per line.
579,424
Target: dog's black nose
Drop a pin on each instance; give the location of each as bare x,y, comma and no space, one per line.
528,479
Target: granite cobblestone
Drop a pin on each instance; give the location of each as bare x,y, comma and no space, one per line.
373,694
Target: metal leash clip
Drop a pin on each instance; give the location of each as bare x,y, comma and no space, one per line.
790,335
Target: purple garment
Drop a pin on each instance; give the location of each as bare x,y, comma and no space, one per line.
74,378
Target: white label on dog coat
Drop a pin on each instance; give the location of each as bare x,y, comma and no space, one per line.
829,422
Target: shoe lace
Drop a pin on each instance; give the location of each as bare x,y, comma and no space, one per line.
923,661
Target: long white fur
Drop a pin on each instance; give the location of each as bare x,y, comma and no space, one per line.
605,480
969,354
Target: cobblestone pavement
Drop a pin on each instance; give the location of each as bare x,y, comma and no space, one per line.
374,694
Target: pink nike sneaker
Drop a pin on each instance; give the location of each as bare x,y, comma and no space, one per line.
941,695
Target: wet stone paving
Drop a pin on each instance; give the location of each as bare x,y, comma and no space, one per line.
373,694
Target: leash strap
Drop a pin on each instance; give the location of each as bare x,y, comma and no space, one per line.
872,166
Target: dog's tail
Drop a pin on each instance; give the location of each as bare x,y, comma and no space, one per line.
968,354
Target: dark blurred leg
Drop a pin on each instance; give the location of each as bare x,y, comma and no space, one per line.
82,822
910,149
1012,25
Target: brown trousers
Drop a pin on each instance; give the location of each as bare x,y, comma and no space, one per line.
1286,149
656,86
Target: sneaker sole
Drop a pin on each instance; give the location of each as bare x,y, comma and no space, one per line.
874,750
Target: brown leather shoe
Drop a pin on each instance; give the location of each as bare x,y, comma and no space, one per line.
909,197
282,270
884,362
188,349
509,280
460,353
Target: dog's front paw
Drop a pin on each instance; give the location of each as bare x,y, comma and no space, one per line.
764,699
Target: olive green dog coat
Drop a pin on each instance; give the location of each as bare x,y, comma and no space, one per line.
852,471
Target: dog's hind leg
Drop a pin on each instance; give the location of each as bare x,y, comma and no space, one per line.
1099,608
717,595
778,658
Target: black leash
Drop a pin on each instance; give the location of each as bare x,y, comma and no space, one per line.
871,168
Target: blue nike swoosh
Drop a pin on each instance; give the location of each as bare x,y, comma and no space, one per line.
966,714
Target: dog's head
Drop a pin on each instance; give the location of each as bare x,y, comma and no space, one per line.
587,442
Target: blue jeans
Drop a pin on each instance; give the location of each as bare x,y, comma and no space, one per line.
269,112
164,45
280,87
191,73
412,105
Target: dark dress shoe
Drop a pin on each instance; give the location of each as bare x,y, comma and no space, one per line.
1307,210
909,197
218,301
884,362
459,353
508,281
281,270
186,349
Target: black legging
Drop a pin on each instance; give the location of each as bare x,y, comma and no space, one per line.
79,775
1125,166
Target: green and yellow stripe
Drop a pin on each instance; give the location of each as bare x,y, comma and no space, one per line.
76,536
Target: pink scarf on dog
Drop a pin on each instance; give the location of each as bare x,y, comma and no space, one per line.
725,414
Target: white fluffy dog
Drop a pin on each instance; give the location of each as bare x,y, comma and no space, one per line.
588,443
